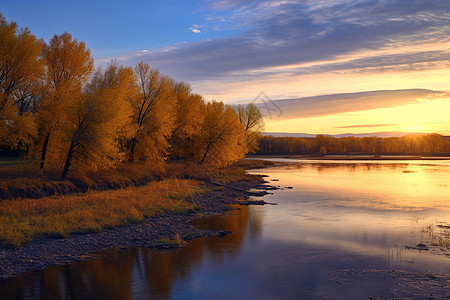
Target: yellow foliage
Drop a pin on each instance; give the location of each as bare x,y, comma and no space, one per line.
96,119
221,140
20,66
252,120
153,102
68,64
189,118
49,101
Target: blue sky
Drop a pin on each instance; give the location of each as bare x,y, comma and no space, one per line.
232,50
112,27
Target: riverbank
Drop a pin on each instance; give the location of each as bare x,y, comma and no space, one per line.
170,229
351,157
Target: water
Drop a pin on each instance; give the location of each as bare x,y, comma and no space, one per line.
339,233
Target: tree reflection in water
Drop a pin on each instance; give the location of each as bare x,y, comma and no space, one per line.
136,272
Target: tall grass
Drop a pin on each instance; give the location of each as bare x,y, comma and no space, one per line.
229,174
21,220
439,235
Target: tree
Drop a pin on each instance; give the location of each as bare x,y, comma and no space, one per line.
97,119
433,141
251,118
153,102
68,64
188,118
221,139
20,67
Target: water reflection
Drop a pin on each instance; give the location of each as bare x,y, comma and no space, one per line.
339,233
138,272
385,186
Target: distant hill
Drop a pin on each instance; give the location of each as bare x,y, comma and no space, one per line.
371,134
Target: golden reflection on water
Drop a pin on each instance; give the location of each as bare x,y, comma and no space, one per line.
336,216
365,208
405,187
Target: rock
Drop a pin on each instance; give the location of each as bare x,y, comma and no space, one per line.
418,247
223,233
253,202
422,247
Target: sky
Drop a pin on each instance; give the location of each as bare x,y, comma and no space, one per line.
313,66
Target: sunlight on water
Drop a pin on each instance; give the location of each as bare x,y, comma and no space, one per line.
361,207
341,230
402,186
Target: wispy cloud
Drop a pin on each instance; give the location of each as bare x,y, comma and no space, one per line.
369,125
308,107
195,28
320,34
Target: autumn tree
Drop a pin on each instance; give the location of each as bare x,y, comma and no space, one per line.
153,102
221,139
20,67
97,119
271,144
433,141
68,64
188,118
252,120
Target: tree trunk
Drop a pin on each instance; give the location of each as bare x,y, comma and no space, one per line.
133,146
204,155
44,151
67,163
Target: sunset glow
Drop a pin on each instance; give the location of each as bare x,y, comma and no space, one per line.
233,50
428,116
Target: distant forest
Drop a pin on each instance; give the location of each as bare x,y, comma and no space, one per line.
61,113
411,144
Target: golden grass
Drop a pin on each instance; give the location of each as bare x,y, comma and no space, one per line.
19,178
229,174
175,242
21,220
438,235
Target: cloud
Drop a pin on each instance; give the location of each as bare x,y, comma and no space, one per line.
284,33
308,107
368,125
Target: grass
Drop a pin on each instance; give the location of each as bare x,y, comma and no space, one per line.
229,174
22,220
175,242
21,178
24,179
438,235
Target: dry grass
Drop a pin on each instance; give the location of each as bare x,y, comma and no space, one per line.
21,174
229,174
175,242
21,220
439,235
23,179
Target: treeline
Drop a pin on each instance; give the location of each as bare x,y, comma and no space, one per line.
56,109
429,143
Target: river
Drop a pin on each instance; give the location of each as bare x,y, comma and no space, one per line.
340,230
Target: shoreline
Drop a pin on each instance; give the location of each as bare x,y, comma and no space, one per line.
349,157
155,232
